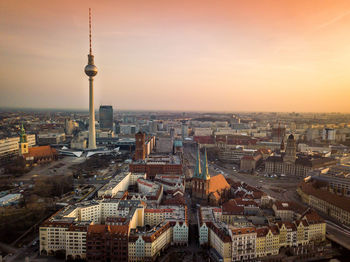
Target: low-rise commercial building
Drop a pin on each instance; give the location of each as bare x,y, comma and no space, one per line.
51,138
157,164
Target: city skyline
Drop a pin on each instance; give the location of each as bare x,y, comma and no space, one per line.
183,56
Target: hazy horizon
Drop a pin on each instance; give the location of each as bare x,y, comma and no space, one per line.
198,56
164,110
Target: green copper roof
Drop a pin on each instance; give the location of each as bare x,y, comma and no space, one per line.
205,171
23,136
201,170
198,171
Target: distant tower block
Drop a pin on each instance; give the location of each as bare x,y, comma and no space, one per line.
91,71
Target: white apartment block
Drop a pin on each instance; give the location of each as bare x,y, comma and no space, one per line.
66,230
120,183
10,146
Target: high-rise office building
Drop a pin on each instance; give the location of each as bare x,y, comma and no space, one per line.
106,117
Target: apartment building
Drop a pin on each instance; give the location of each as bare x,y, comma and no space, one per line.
9,147
156,214
220,241
76,241
250,242
323,200
107,243
337,178
146,245
180,233
66,230
150,191
243,243
206,215
119,183
101,229
267,241
288,234
287,210
317,227
157,164
53,237
170,182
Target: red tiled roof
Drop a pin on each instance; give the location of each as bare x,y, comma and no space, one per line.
218,183
231,208
312,217
243,230
141,181
216,195
288,225
289,205
40,151
157,233
261,232
114,229
160,210
338,201
241,202
177,200
225,237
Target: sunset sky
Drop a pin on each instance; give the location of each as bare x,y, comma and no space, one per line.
177,55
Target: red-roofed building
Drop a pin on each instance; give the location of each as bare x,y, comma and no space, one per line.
250,162
107,243
40,154
207,189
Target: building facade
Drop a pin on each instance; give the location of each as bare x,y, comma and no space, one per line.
106,117
289,163
323,200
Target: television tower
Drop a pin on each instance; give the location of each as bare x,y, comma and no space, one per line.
91,71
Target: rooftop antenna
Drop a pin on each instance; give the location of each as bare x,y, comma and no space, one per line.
90,31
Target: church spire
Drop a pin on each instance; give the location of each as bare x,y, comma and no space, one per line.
23,143
205,172
198,171
23,136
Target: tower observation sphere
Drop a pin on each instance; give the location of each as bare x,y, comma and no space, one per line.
90,70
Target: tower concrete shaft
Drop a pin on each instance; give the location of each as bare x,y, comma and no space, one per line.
91,71
92,132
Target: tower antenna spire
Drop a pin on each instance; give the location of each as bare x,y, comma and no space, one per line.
91,71
90,31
